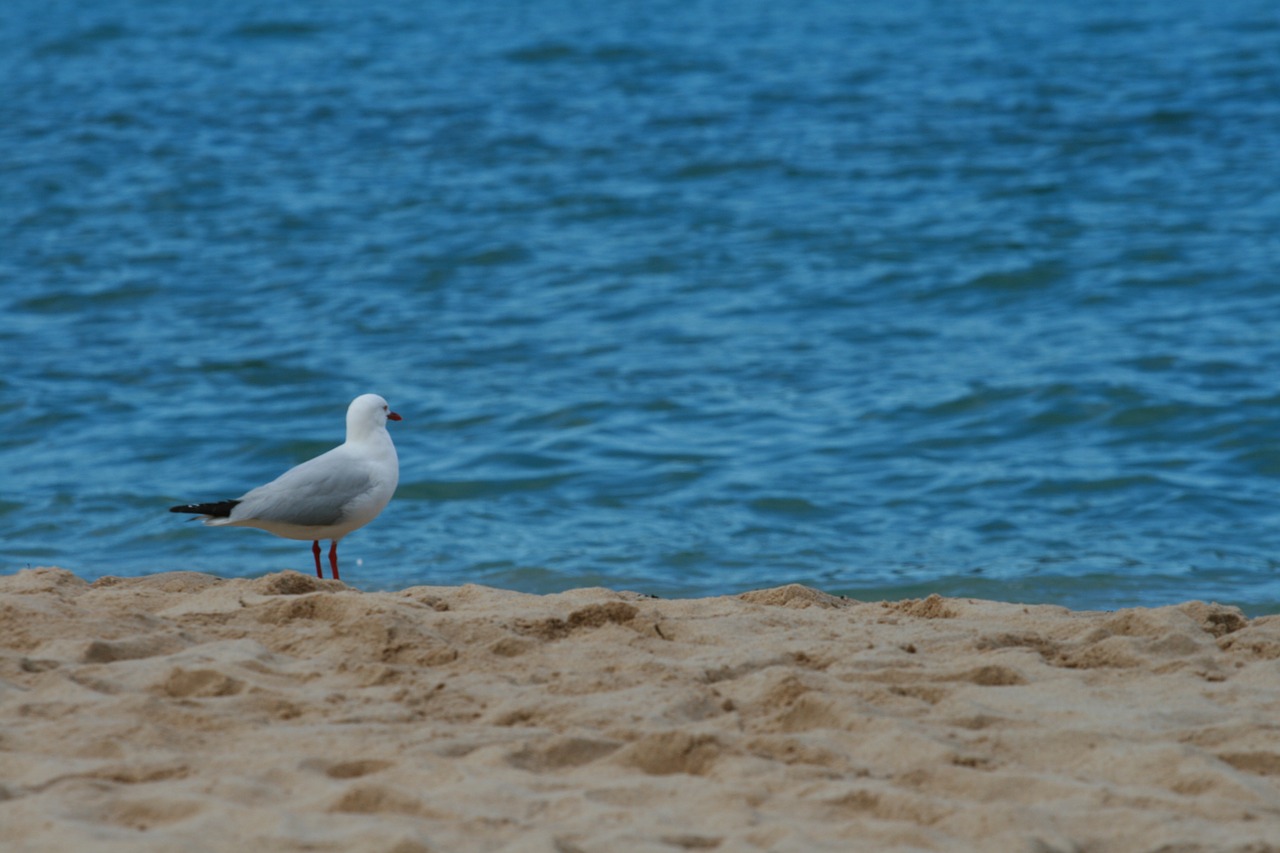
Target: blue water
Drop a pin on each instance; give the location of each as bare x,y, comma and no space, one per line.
886,297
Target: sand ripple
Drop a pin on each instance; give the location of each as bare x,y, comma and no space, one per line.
182,711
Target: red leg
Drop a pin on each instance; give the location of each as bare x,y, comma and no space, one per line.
315,550
333,558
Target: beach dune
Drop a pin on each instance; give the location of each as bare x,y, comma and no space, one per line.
184,711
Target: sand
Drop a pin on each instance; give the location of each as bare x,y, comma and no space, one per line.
186,712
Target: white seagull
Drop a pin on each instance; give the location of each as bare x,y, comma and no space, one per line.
326,497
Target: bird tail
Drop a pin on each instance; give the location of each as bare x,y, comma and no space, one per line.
217,509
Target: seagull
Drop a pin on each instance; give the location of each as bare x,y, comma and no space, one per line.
326,497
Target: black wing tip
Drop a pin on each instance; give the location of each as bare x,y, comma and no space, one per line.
217,509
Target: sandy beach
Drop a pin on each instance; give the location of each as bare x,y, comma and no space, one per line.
184,711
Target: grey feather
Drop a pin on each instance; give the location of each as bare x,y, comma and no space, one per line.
314,494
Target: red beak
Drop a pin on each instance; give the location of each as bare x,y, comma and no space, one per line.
392,416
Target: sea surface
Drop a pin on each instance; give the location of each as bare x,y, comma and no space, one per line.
887,297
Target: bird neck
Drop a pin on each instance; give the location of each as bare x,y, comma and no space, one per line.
361,431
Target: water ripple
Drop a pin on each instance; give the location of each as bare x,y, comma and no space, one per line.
882,299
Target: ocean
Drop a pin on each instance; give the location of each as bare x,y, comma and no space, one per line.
885,298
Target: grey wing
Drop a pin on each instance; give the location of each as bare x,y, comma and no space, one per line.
314,494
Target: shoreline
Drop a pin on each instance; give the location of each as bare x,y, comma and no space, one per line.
288,712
